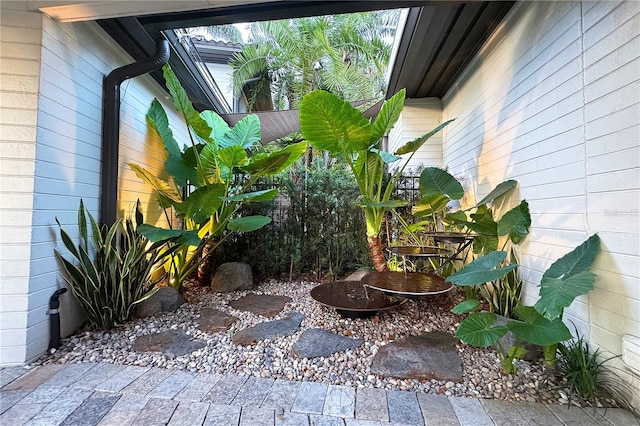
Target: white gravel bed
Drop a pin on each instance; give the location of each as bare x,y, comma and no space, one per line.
273,358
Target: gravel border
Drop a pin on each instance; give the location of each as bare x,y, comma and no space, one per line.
482,377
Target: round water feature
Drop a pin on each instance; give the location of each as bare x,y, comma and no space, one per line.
351,300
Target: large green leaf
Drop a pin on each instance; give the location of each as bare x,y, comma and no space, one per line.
387,157
245,133
389,114
331,124
435,181
485,244
466,306
233,156
219,127
482,222
248,223
209,163
515,223
174,164
202,203
478,329
557,294
536,329
264,195
268,164
183,104
427,206
482,270
158,185
498,192
180,236
415,144
579,259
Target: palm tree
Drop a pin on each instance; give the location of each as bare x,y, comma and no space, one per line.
344,54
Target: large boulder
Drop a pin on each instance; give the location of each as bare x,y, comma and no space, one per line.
166,299
232,276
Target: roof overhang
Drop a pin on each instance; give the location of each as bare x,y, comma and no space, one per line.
438,40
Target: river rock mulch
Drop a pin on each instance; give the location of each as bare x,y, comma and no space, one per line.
275,357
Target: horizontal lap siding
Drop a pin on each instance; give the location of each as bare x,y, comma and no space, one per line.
20,57
612,136
75,59
553,102
418,117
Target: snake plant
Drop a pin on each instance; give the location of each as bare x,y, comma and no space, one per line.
111,269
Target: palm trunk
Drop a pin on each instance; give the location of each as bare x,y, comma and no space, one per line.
376,254
206,262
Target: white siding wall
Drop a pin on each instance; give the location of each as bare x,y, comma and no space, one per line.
553,102
20,57
62,165
223,75
418,117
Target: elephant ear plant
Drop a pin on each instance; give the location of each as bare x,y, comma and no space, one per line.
541,324
211,176
333,125
120,274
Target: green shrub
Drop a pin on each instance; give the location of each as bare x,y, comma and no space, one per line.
317,226
120,274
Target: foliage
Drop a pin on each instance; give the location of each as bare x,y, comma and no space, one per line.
120,275
541,324
589,377
211,178
504,294
346,54
318,228
333,125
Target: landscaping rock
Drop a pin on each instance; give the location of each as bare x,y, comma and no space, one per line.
268,330
424,357
166,299
318,342
534,352
171,343
232,276
212,320
261,304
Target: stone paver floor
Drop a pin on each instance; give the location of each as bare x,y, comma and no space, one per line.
107,394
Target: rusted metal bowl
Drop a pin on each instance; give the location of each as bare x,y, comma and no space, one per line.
350,300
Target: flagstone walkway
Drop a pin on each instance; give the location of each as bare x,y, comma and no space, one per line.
107,394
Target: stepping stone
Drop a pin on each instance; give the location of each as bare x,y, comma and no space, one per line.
213,320
424,357
269,330
172,343
261,304
318,342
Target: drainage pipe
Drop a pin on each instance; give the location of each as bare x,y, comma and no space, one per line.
54,318
111,125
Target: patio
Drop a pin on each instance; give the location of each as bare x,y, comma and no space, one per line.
106,394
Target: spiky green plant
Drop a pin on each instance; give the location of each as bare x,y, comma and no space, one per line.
589,377
113,273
